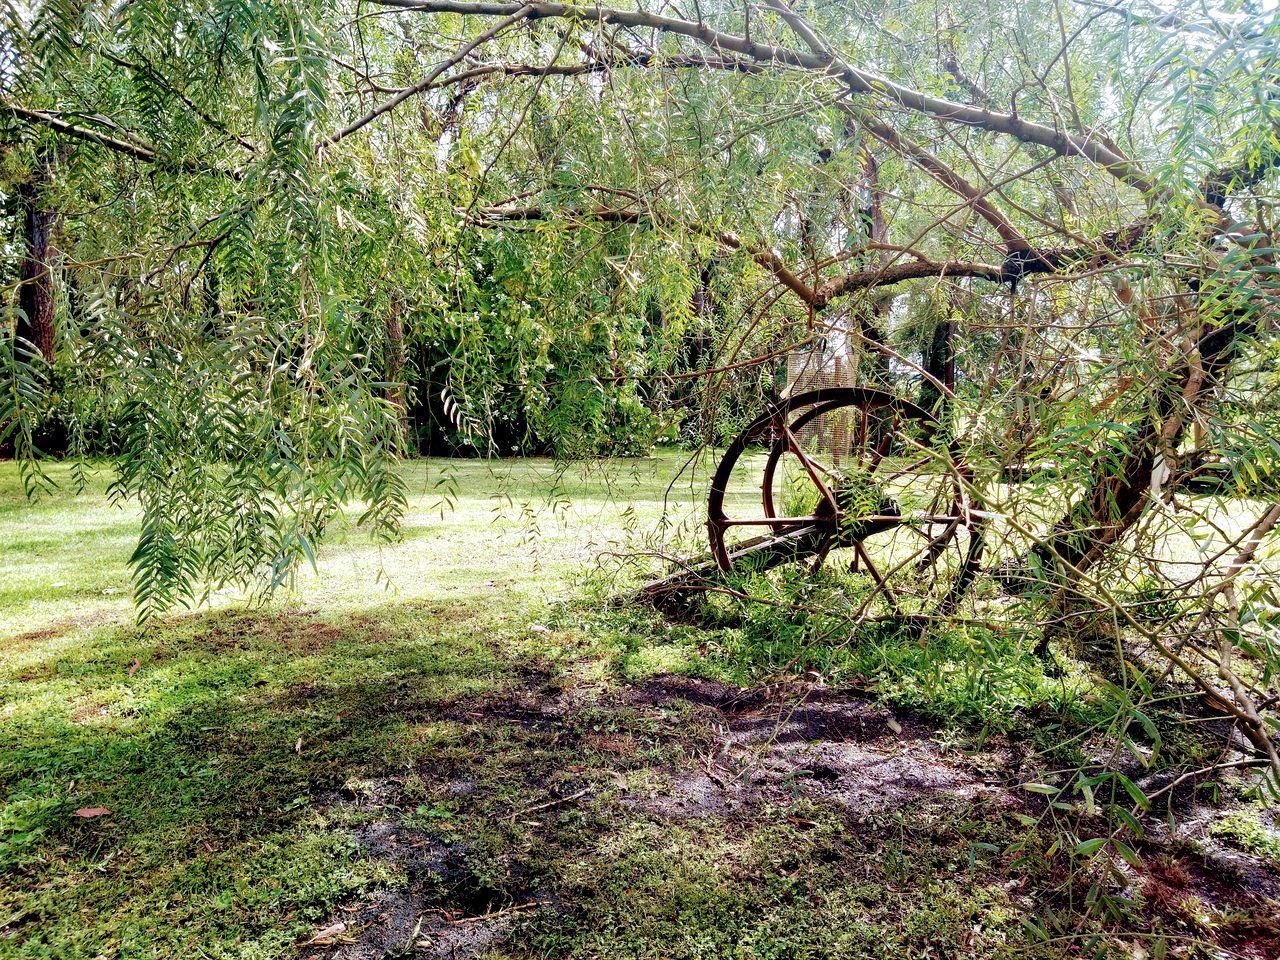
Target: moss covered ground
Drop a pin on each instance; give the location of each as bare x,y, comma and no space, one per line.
446,748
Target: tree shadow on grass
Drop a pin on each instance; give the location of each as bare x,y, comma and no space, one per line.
409,771
207,756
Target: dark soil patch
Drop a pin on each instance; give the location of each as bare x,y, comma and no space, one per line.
709,693
830,746
549,772
445,910
419,853
1176,890
741,748
56,629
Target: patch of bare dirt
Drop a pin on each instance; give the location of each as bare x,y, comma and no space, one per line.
396,924
96,618
418,852
1216,872
678,748
831,746
443,911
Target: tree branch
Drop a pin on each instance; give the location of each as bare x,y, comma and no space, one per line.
138,151
387,106
770,260
857,80
898,272
949,178
132,148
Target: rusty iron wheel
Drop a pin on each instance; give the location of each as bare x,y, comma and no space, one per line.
876,450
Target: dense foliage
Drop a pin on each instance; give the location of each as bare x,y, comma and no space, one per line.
258,250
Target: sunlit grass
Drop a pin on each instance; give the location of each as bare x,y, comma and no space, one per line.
472,526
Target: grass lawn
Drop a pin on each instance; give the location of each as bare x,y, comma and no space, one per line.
440,748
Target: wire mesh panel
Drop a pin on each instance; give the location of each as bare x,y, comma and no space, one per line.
822,368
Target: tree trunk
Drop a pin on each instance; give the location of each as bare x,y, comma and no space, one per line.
1115,502
871,227
41,223
939,362
698,339
395,363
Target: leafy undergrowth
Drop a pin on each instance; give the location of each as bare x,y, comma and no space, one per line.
476,765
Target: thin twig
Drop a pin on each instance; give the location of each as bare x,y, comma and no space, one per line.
550,803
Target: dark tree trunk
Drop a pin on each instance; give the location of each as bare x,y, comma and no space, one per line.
697,350
870,227
703,299
698,340
869,320
874,226
395,364
1112,505
41,223
1115,502
212,290
940,364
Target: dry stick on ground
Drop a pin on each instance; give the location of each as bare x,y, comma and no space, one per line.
514,908
1245,764
550,803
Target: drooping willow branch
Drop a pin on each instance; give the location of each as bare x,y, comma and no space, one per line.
144,152
1021,258
386,107
857,80
1061,260
952,180
816,299
132,148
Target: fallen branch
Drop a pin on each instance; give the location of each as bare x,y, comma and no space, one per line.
514,908
550,803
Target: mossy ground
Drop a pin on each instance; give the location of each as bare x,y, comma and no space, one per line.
443,730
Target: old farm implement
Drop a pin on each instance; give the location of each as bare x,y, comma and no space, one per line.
841,475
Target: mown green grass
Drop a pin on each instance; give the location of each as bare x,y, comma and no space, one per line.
472,525
218,739
207,735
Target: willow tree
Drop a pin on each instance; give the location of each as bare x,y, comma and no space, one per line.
259,203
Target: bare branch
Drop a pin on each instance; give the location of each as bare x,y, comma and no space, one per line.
816,299
132,148
138,151
857,80
425,84
949,178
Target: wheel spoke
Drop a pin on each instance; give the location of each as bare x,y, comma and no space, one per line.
793,446
812,467
770,521
861,431
882,585
821,556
